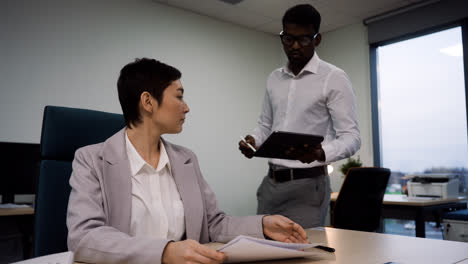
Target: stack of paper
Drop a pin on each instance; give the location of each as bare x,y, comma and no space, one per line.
245,248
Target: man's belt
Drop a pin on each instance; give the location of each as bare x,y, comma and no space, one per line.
284,175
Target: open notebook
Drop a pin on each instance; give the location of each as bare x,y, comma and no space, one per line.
245,248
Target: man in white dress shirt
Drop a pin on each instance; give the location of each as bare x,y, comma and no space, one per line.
310,96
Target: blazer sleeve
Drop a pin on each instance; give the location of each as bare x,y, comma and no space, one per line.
89,236
222,227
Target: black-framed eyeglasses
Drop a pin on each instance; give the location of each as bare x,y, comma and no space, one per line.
303,40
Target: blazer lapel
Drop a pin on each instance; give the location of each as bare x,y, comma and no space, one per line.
185,178
118,187
117,182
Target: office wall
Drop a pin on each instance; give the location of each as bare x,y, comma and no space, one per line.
69,53
348,49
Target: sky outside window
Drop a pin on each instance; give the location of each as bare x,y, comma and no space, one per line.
422,109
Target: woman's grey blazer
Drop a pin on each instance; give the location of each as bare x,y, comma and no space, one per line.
99,208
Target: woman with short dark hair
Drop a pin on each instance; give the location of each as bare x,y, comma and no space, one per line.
136,198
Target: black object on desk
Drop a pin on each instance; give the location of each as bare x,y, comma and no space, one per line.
279,144
328,249
20,169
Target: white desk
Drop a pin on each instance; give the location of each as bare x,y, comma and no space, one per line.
355,247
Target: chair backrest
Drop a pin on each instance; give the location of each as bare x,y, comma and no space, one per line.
359,202
64,130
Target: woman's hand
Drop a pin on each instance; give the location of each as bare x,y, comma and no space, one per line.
282,229
190,251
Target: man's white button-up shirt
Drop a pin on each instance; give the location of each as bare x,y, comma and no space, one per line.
319,100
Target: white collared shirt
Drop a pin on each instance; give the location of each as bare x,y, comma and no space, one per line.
319,100
157,209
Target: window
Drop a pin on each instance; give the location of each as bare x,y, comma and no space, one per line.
422,108
422,122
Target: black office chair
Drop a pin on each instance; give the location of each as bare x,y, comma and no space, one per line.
64,130
359,202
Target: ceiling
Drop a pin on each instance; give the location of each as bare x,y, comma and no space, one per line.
265,15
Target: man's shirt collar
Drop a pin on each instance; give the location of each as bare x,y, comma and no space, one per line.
311,67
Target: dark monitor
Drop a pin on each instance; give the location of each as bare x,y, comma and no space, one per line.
19,169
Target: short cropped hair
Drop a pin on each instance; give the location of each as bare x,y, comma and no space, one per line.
303,15
143,75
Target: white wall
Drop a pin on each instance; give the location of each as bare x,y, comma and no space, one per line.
348,49
69,53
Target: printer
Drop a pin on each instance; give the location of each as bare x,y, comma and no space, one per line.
435,185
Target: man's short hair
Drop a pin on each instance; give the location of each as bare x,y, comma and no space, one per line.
143,75
303,15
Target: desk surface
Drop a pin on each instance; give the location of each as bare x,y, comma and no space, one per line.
16,211
355,247
401,199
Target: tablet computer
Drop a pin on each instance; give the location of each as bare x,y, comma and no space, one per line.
278,144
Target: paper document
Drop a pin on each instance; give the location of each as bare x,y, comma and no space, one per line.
245,248
59,258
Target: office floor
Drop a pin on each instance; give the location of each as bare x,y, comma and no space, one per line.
408,228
